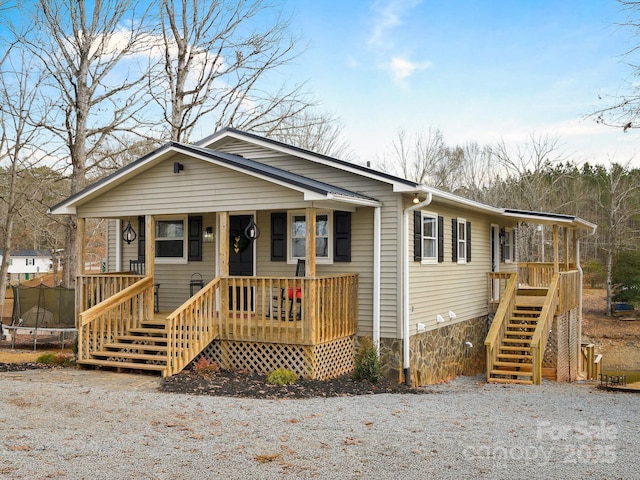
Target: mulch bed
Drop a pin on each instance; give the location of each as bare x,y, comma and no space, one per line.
253,385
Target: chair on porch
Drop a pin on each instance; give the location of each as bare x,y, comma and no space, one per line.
295,294
137,267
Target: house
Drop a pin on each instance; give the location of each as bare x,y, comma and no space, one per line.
299,255
28,264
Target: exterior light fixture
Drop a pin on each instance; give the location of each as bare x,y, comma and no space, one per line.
177,167
208,235
252,232
129,234
416,200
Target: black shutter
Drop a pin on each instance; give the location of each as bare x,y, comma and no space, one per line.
468,241
341,236
279,237
454,239
195,238
141,232
417,236
501,240
440,239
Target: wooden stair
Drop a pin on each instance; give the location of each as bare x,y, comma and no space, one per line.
142,349
514,362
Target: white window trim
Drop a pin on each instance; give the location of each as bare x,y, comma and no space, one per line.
462,258
185,241
508,237
328,260
429,260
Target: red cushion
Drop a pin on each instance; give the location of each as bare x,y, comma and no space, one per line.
298,293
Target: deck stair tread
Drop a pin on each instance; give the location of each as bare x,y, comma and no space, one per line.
527,326
122,365
138,338
132,356
527,366
136,346
148,331
517,340
513,348
497,371
510,380
513,356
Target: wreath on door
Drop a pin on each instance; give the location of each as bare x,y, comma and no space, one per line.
239,242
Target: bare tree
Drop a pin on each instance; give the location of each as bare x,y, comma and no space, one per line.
19,134
316,132
87,50
216,60
622,110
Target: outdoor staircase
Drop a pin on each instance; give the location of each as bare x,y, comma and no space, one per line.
143,348
514,362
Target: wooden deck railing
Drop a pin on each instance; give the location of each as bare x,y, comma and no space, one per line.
114,315
590,363
192,326
497,284
539,274
290,310
541,333
93,289
494,338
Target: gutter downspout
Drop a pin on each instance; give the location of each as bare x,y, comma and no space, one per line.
405,285
376,276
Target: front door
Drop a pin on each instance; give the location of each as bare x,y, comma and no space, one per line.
241,260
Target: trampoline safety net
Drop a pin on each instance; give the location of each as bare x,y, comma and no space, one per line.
43,307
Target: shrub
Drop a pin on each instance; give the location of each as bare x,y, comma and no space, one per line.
203,366
626,278
282,377
367,362
60,359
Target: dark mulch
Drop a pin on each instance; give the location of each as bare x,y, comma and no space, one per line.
19,367
253,385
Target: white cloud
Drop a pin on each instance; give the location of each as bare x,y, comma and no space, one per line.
388,16
403,68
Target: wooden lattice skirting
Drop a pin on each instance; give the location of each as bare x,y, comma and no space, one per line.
321,362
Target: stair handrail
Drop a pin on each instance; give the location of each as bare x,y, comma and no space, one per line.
192,326
540,336
494,337
113,316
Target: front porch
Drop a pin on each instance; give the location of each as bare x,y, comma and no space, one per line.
306,324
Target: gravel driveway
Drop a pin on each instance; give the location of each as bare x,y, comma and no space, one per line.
92,425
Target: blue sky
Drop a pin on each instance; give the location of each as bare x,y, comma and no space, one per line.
477,70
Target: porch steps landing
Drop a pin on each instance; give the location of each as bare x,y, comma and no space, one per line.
514,362
142,349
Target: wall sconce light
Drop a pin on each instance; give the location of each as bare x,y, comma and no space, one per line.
252,232
208,235
129,234
416,200
177,167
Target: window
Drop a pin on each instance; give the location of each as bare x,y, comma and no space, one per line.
462,241
508,245
171,246
31,261
298,232
429,237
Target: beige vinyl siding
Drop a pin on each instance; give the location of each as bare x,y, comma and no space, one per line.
112,237
201,186
436,289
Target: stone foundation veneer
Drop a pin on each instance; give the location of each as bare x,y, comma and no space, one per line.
439,355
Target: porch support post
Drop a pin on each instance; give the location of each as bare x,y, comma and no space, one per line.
150,256
149,244
80,233
223,244
310,242
566,249
556,252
